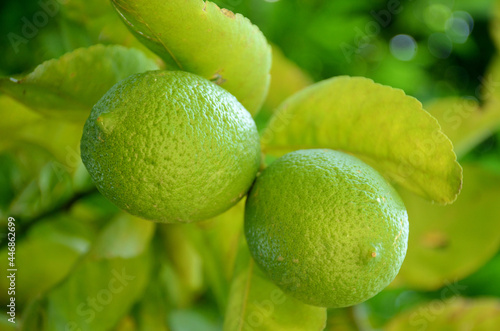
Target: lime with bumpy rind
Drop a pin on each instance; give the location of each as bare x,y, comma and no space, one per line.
326,227
171,147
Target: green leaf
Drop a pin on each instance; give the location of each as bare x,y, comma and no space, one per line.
14,116
102,288
94,209
495,24
59,137
479,283
66,88
32,316
490,85
127,324
464,122
183,263
100,22
341,320
31,183
379,124
84,11
199,37
5,325
202,252
286,79
453,314
151,312
198,318
58,236
255,303
450,242
222,234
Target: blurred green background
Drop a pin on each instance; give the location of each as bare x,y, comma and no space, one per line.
85,265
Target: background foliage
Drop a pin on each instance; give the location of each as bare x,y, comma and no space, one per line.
85,265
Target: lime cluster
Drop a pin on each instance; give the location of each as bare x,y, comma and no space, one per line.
173,147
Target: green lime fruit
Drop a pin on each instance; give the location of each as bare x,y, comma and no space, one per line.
326,227
171,146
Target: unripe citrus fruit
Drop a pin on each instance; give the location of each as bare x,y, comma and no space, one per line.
326,227
171,146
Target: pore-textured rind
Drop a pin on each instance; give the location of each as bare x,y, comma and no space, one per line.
326,227
171,146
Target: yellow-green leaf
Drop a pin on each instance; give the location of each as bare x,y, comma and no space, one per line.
59,137
222,235
495,24
464,121
199,37
255,303
14,116
451,242
183,263
68,87
286,79
58,235
379,124
454,313
105,284
490,86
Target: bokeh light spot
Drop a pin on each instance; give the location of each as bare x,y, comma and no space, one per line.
436,15
458,30
403,47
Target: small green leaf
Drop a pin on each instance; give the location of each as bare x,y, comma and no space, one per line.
490,85
286,79
198,318
151,312
59,137
479,283
183,263
100,22
102,288
14,116
453,314
495,24
199,37
68,87
208,247
464,122
94,209
127,324
222,234
341,319
5,325
59,236
379,124
31,182
255,303
451,242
